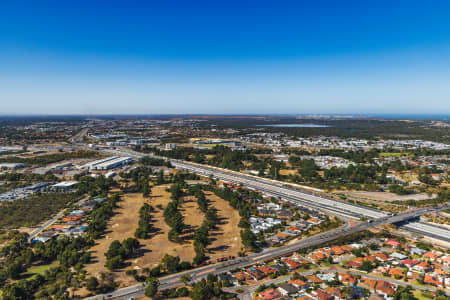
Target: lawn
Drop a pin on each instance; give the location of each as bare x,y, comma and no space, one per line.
40,269
418,294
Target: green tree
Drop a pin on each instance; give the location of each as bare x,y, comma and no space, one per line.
92,284
248,238
152,287
186,279
170,263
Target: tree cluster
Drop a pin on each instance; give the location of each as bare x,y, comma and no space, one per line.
144,224
119,252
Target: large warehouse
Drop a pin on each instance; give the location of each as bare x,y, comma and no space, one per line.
108,163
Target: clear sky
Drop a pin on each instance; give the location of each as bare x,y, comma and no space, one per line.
224,57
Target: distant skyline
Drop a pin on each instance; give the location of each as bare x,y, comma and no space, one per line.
224,57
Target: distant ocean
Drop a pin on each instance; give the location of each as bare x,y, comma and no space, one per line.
410,116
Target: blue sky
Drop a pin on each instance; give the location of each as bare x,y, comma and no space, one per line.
224,57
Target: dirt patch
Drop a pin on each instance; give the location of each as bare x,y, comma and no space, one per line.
386,196
286,172
193,218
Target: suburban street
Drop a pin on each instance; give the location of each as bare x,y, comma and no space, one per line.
50,222
250,289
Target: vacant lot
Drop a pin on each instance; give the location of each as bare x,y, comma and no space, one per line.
158,244
286,172
386,196
225,240
32,210
121,226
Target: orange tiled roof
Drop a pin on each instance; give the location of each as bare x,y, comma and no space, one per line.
298,282
395,271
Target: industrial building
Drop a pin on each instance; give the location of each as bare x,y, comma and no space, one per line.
23,192
64,186
11,166
108,163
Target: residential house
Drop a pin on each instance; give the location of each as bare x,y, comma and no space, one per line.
255,274
354,264
410,262
422,267
314,279
347,279
368,283
434,280
270,294
287,289
318,256
337,250
266,270
445,260
292,265
326,276
385,288
431,256
321,295
335,292
393,243
399,256
381,256
300,284
417,251
396,272
414,276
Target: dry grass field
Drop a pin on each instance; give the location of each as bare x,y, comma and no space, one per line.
286,172
387,196
121,226
225,240
158,244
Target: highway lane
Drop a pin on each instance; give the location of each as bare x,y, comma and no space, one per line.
428,230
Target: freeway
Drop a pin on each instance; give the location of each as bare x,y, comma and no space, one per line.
288,193
428,230
278,189
270,253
